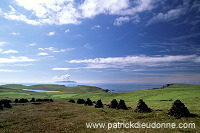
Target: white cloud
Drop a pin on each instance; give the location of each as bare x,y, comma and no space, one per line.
15,33
14,59
91,8
49,49
51,33
63,77
170,15
9,51
119,62
7,70
67,30
95,27
60,12
87,46
32,44
121,20
42,53
54,50
2,43
63,69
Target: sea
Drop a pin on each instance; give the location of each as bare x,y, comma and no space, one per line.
112,87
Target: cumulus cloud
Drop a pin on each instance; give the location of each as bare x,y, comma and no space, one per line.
71,11
14,59
63,77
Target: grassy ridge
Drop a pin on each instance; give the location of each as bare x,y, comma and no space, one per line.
68,117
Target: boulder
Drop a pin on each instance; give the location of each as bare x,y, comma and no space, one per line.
178,110
99,104
142,107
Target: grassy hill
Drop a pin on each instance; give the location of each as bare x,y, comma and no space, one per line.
62,116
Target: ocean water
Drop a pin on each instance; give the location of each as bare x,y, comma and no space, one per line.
112,87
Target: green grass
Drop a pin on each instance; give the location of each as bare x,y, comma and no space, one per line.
62,116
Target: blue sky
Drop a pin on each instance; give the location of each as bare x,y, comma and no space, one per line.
100,41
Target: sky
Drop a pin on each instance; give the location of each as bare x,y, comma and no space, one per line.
100,41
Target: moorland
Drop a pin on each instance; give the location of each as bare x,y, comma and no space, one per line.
63,116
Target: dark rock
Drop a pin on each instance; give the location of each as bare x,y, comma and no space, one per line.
122,105
142,107
88,102
71,101
178,110
80,101
113,104
99,104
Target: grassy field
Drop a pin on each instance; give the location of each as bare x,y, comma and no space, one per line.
62,116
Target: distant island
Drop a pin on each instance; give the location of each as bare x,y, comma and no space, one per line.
66,81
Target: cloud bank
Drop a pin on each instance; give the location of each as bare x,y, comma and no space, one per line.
60,12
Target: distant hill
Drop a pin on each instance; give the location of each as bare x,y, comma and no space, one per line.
66,82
